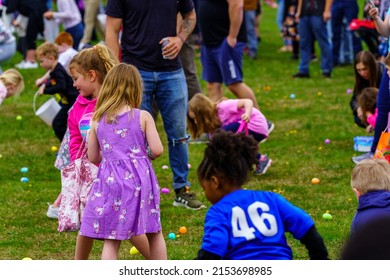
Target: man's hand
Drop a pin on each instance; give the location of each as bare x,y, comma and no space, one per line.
172,49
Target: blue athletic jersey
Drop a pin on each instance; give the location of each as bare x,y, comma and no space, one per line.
249,224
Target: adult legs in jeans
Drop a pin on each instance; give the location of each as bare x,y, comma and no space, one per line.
250,19
337,20
7,52
321,34
349,10
280,14
77,32
305,44
308,27
169,89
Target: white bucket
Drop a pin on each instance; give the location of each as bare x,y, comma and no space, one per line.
48,110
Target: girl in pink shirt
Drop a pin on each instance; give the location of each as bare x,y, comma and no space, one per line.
88,69
204,116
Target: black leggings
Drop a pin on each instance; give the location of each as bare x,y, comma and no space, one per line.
60,122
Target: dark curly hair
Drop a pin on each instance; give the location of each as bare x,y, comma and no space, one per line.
229,157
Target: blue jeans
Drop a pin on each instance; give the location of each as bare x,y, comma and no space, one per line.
7,51
280,14
307,27
77,33
250,17
169,90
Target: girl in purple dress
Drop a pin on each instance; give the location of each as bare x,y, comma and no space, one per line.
124,201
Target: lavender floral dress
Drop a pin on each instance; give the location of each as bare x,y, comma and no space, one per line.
124,200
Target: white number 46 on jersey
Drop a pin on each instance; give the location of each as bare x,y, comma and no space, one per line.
240,224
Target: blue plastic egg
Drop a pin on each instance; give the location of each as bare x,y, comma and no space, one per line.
24,169
24,180
172,236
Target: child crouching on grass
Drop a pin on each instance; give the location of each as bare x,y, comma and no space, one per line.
205,116
246,224
11,84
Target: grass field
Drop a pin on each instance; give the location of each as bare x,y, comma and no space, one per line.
319,111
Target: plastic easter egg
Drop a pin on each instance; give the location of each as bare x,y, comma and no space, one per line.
19,118
133,251
54,149
292,96
327,216
172,236
315,181
165,167
165,190
24,169
24,180
27,259
183,230
327,141
189,166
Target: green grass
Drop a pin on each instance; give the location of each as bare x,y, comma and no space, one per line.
296,146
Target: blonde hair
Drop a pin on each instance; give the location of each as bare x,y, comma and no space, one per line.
371,175
98,58
205,119
13,77
122,87
47,49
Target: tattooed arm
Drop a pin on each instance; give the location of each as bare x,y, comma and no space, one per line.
186,25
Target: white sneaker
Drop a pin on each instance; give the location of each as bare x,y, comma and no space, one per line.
52,212
26,65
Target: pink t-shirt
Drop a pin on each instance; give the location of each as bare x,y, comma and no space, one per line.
79,123
228,112
372,118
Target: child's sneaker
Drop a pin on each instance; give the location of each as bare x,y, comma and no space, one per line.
263,165
187,199
52,212
204,138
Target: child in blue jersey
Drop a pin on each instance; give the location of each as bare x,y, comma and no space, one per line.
247,224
